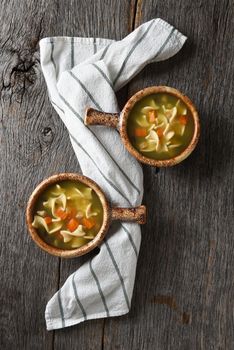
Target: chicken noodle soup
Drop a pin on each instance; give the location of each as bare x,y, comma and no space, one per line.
160,126
68,215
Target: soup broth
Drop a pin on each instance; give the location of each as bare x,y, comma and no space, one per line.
68,215
160,126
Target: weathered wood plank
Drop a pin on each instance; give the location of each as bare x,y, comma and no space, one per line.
28,131
184,286
34,145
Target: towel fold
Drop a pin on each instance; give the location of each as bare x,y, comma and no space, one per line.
81,72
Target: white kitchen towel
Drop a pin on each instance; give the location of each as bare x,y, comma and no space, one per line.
82,72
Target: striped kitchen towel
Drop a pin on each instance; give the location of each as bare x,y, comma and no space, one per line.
81,72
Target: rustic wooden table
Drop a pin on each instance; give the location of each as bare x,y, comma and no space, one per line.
183,296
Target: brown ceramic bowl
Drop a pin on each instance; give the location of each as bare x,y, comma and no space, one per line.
137,214
119,121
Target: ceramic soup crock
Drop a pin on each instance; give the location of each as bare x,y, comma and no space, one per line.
120,122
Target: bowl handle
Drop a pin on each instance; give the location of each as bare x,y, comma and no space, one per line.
137,214
95,117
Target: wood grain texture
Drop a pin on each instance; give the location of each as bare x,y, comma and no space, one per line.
183,297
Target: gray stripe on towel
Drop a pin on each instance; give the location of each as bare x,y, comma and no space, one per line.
105,51
77,298
118,272
72,52
164,44
131,51
130,239
104,75
85,90
61,308
99,288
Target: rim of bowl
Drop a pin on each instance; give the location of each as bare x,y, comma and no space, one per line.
124,119
67,253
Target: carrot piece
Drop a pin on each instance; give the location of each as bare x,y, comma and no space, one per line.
88,223
152,116
48,220
71,213
72,224
159,132
183,119
61,213
140,132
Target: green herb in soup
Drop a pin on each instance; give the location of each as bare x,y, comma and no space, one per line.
68,215
160,126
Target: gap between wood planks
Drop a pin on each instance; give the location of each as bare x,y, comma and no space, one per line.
135,14
58,286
